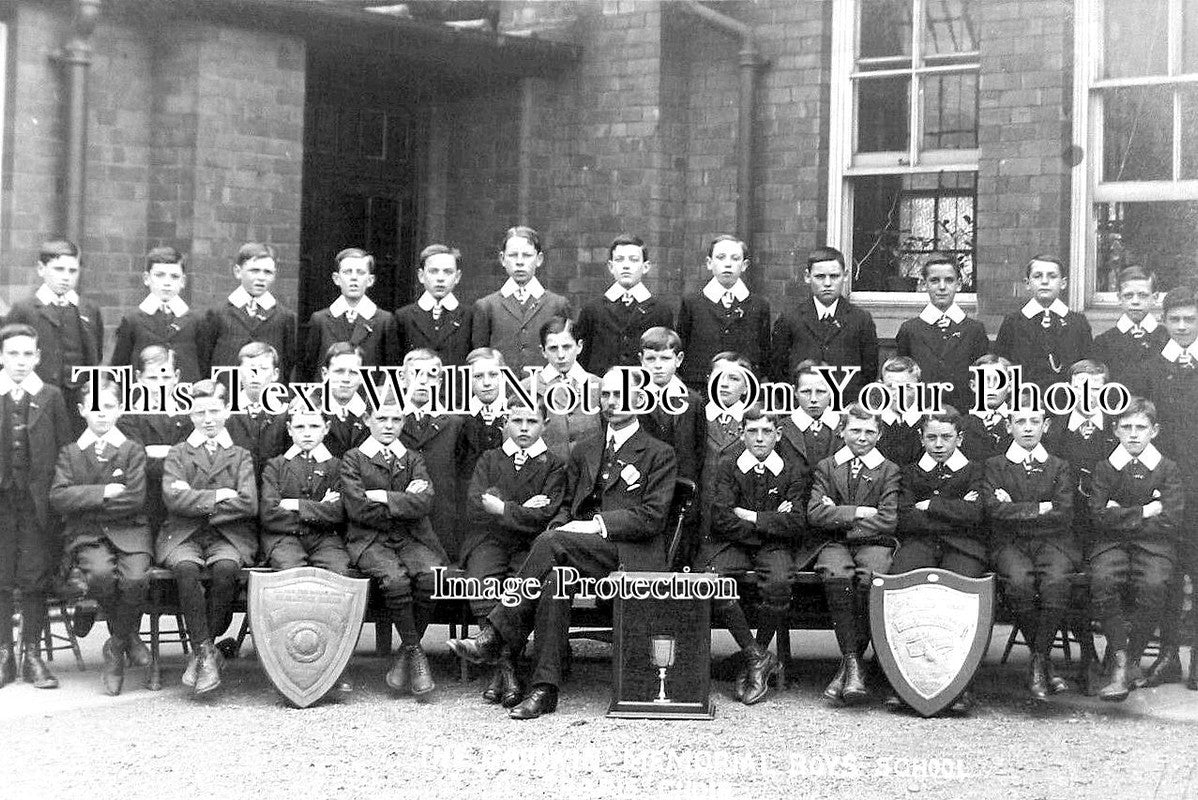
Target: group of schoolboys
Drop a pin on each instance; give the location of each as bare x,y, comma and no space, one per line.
381,485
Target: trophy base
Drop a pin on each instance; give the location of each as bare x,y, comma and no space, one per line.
656,709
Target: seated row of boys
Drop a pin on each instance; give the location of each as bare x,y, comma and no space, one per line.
839,566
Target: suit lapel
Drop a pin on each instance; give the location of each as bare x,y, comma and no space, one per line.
35,411
792,434
50,316
513,307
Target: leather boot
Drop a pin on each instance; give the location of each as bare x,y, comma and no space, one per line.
741,682
494,691
1166,668
1056,684
189,672
854,690
35,671
421,672
835,689
511,692
399,676
483,648
208,669
1116,690
112,674
8,665
963,704
542,699
136,651
1037,678
761,665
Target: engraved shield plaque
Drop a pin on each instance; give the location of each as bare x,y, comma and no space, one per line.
931,629
305,623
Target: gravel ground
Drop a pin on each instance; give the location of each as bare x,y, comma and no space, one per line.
247,742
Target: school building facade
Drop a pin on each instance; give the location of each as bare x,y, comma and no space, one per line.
990,129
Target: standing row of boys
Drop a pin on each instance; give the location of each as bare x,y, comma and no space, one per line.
403,475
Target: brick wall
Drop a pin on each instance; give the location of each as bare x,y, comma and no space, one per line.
1023,129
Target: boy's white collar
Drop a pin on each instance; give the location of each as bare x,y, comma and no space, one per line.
427,302
1017,455
239,297
151,305
535,449
640,292
31,385
746,462
88,440
366,308
372,447
320,453
1120,458
714,291
197,438
1148,324
46,296
533,287
932,315
873,459
955,463
1033,308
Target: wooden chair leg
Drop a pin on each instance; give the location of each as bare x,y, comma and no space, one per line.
69,624
1012,640
185,641
154,671
783,655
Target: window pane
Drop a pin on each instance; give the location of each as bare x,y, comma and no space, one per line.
950,111
1162,237
1138,134
1189,139
899,220
885,28
1136,38
949,27
882,114
1189,38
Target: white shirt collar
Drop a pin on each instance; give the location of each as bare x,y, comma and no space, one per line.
675,387
365,307
223,439
955,463
714,412
909,417
88,440
804,421
822,311
1017,455
239,297
47,297
320,453
714,291
1077,419
640,292
932,315
1033,308
498,407
1172,351
746,461
1003,411
355,406
535,449
1124,323
576,373
152,305
31,385
426,302
622,435
533,287
873,459
1120,458
372,447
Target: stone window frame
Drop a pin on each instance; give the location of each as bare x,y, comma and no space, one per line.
1088,188
844,164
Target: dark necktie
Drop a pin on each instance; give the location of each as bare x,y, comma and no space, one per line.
855,468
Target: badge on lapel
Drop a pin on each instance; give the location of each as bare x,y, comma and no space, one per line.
631,476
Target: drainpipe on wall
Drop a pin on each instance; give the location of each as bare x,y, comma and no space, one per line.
750,61
76,55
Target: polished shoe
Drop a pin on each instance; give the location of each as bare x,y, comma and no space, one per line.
494,691
1056,684
963,704
836,687
1116,689
854,690
8,665
893,702
1166,669
189,672
421,672
112,674
511,692
35,671
484,647
136,651
542,699
761,665
208,671
741,681
1038,678
398,676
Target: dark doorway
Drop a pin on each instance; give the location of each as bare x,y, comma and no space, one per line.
362,141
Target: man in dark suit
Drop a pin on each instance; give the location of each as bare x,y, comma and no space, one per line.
250,314
828,328
437,320
617,500
70,331
611,326
352,317
33,426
